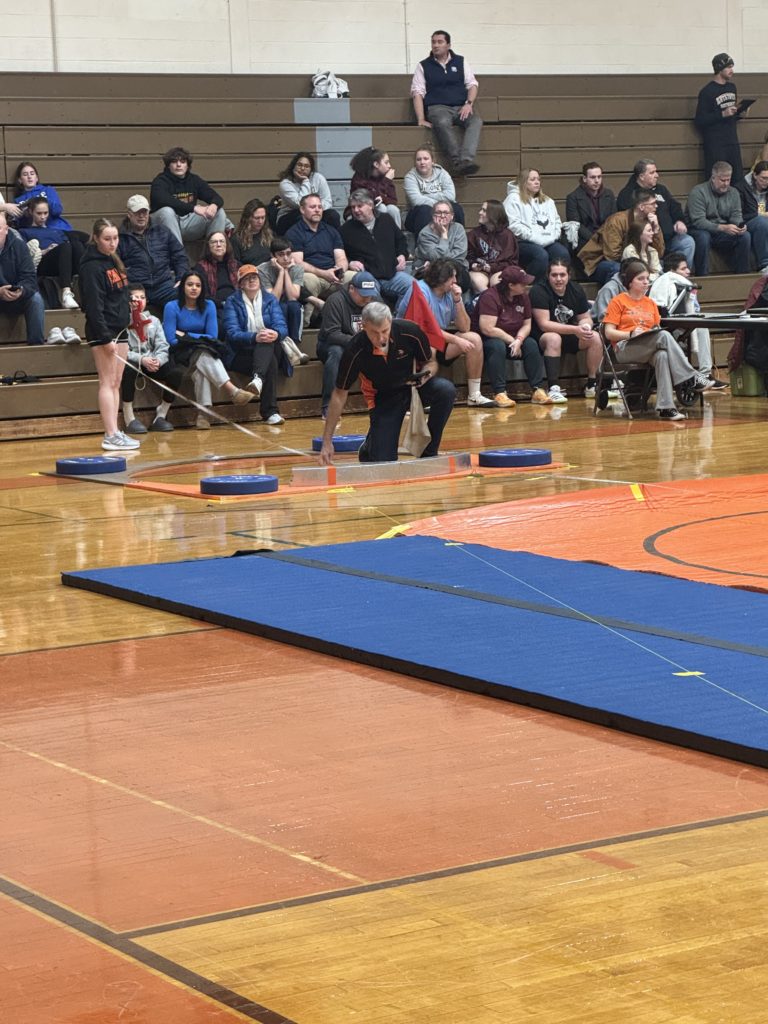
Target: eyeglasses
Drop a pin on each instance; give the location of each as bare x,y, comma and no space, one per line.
217,241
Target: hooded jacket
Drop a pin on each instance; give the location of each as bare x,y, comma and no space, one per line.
427,191
537,222
55,220
105,299
181,194
498,249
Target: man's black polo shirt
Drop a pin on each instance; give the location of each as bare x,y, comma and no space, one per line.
383,374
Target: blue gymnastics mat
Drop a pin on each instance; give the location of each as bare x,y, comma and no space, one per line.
677,661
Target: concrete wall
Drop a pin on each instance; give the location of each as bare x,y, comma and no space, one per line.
363,36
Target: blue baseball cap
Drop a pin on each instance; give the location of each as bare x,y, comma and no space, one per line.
366,284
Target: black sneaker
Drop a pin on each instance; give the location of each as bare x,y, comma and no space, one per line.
719,385
670,414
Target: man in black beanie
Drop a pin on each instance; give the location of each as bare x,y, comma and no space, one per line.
717,117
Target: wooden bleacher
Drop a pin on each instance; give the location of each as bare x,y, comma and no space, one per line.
98,139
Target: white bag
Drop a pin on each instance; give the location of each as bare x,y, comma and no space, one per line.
329,86
417,435
293,353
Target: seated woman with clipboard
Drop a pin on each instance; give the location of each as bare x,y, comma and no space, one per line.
632,324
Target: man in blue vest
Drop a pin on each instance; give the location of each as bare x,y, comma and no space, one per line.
443,91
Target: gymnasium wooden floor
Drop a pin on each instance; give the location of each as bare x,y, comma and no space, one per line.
202,826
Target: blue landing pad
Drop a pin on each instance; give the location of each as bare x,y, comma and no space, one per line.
673,660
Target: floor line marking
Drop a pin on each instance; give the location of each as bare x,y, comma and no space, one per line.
473,867
200,818
178,975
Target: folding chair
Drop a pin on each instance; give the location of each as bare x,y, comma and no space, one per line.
633,380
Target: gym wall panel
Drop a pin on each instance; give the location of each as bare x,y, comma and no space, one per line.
357,36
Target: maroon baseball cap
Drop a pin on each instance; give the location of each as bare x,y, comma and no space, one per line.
516,275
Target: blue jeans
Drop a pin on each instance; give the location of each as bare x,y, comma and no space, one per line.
33,308
686,244
293,311
495,355
330,357
159,294
735,250
535,258
389,412
397,287
604,271
758,232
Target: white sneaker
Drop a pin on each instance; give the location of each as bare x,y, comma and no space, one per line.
480,401
255,385
589,391
275,419
55,336
556,395
119,442
68,300
71,337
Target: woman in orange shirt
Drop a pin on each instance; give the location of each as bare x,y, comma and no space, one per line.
632,326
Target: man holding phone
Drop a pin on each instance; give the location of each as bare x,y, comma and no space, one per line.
714,210
390,357
717,117
18,284
318,250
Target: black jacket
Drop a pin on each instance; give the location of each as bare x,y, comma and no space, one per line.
152,258
181,194
377,250
104,296
747,196
669,211
16,266
579,206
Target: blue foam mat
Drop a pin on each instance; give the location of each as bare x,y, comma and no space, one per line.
590,641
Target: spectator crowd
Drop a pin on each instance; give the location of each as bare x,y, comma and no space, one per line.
243,304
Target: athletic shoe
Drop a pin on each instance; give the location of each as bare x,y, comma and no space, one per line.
255,385
118,442
556,395
241,397
719,385
202,422
160,423
540,397
590,390
480,401
275,419
68,300
324,413
669,414
702,383
136,427
55,336
503,401
71,337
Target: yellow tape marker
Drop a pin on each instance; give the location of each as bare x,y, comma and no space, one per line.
342,490
637,491
689,673
393,531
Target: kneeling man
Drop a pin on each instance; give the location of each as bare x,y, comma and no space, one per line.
386,354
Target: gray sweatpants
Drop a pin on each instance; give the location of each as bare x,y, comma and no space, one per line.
668,361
